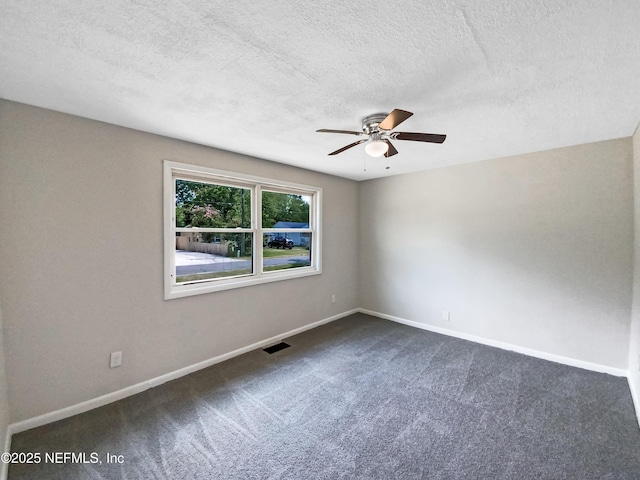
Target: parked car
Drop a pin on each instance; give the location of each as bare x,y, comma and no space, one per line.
280,242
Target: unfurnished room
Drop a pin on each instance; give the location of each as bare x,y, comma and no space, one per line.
289,240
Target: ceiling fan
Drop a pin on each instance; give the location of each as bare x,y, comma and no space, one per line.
377,130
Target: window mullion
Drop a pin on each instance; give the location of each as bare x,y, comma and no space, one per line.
213,230
257,226
287,230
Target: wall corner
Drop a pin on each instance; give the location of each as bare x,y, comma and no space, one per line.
634,332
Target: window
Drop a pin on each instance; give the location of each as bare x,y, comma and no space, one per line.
226,230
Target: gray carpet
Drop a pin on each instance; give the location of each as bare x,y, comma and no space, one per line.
358,398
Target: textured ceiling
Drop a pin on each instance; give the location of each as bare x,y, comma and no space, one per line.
255,77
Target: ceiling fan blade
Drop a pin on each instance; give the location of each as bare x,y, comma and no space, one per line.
348,147
394,119
391,151
349,132
419,137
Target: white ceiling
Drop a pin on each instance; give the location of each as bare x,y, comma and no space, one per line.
256,77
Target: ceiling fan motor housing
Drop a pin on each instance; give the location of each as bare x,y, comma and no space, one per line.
370,123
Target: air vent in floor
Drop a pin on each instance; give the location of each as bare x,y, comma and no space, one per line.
276,348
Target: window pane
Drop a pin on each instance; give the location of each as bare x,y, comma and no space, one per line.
202,256
291,251
201,204
285,210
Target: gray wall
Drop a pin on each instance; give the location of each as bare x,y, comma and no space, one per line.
533,250
4,399
81,251
634,344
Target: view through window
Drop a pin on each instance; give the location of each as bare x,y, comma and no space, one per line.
230,230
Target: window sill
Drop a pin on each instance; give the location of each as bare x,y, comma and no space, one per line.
187,290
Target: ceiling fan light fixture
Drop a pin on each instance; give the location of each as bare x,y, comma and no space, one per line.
376,148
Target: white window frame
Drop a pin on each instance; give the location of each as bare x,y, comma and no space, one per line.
175,170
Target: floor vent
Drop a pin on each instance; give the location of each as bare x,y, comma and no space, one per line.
276,348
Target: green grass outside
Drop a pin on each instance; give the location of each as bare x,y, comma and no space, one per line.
210,275
285,266
279,252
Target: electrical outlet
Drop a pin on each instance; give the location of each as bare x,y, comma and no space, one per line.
446,315
116,359
333,298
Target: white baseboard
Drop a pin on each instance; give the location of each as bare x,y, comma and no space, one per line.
4,467
154,382
618,372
